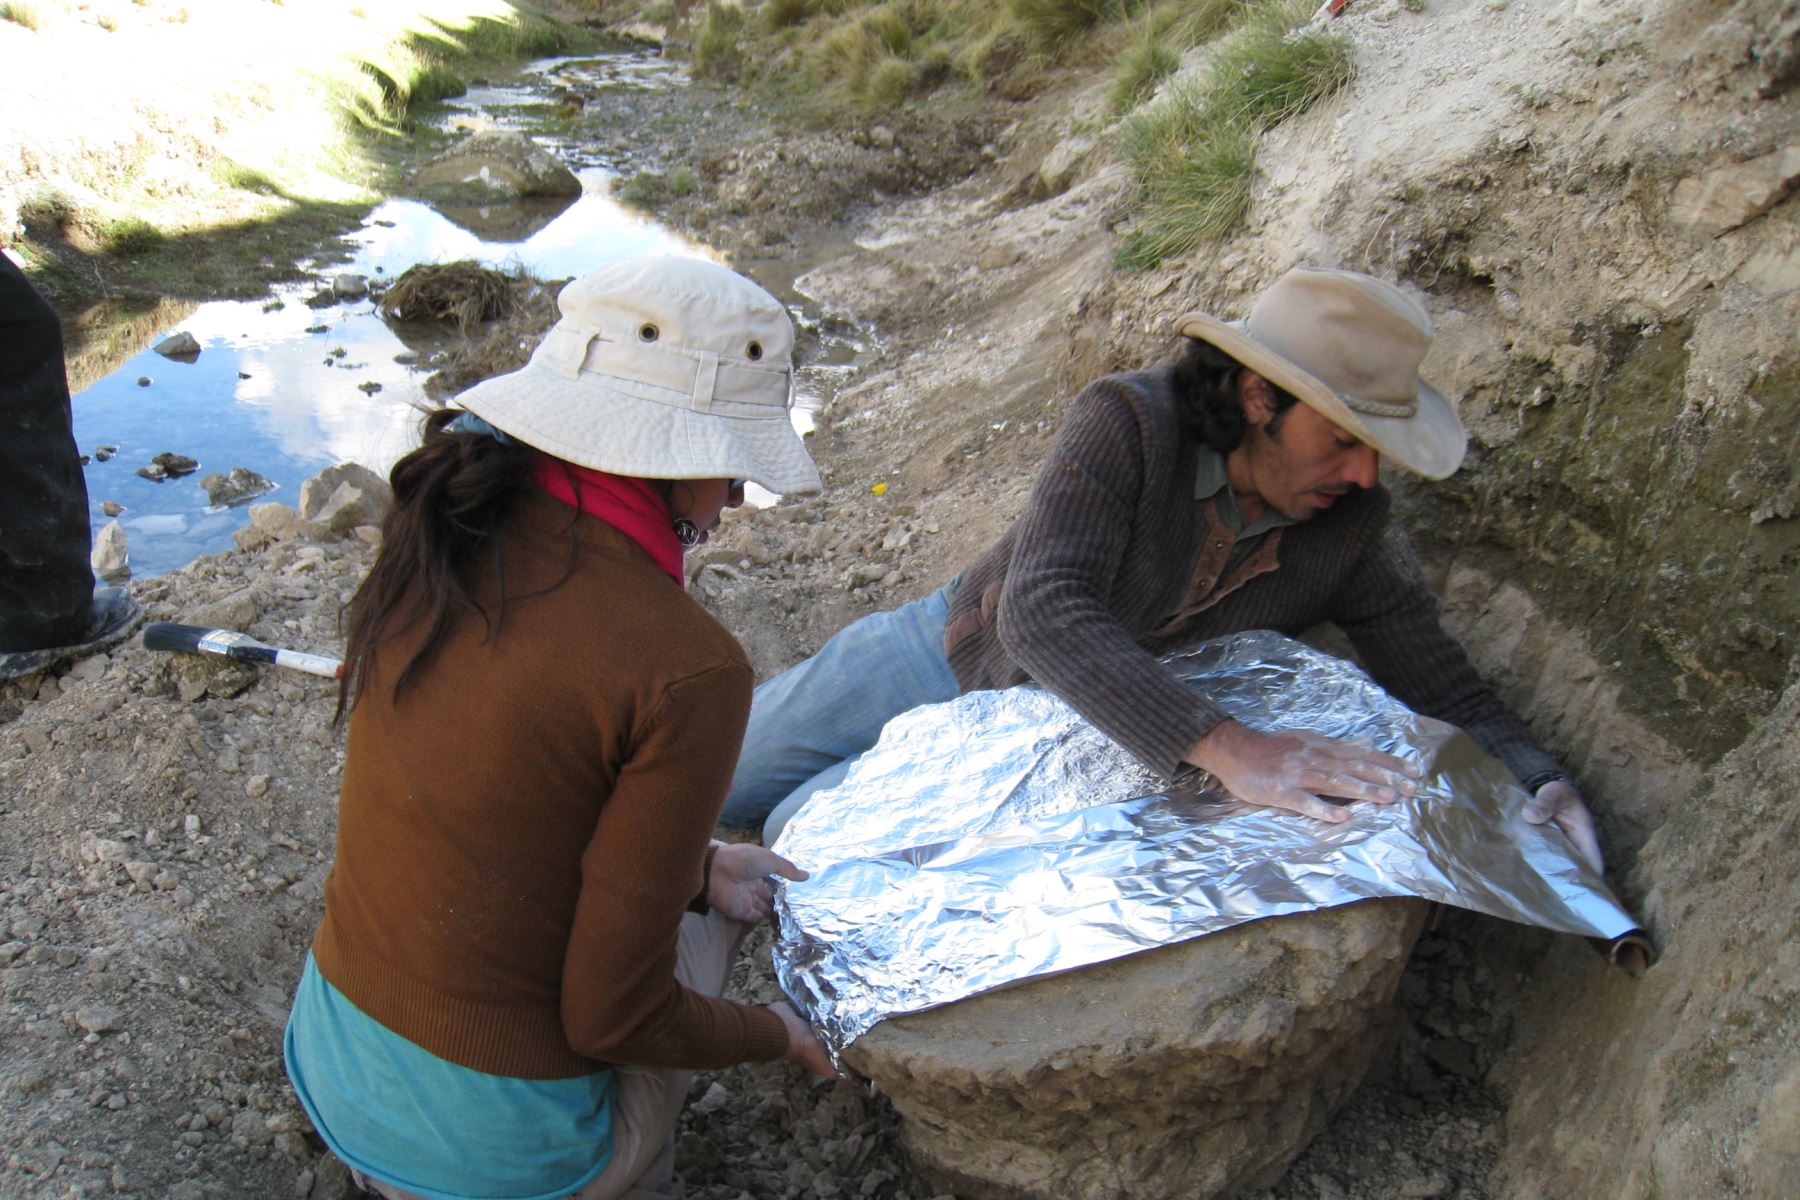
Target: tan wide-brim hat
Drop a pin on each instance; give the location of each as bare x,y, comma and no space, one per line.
1349,346
663,368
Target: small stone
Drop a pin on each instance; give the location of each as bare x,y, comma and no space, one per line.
99,1018
143,381
258,785
108,851
9,951
190,825
716,1098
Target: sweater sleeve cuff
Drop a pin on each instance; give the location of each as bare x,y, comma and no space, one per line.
1541,778
699,903
768,1037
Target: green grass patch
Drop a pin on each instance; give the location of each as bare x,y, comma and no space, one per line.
1265,76
128,237
646,190
1200,196
1194,154
427,64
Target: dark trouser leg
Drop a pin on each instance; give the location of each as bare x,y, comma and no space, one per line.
46,584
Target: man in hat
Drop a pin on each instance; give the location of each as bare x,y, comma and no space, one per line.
1234,490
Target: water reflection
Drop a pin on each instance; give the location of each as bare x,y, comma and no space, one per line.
286,390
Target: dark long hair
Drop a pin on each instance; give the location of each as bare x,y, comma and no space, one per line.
1206,380
450,496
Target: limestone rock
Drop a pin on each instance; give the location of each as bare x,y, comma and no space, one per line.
1194,1070
1727,197
111,558
506,163
1063,163
275,519
183,345
319,493
241,485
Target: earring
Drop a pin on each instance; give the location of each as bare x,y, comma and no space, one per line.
687,533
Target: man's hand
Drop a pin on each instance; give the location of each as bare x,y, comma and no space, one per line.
1294,768
739,885
804,1046
1559,801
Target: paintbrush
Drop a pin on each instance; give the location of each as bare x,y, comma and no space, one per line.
197,639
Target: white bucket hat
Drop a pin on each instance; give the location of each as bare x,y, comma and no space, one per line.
663,368
1349,346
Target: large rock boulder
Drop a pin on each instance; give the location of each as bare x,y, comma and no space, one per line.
333,490
501,163
1194,1070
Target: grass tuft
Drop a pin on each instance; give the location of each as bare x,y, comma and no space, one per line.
1053,23
21,13
1194,154
129,237
1146,62
718,52
1265,77
1198,197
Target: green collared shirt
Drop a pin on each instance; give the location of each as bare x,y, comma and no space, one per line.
1211,480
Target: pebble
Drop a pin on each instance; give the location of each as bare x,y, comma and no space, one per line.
257,786
99,1018
190,825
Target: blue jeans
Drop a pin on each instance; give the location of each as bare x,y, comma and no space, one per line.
809,722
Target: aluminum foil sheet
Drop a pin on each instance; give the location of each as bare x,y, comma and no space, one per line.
1000,837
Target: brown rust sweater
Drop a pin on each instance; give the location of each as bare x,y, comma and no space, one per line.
1115,562
520,833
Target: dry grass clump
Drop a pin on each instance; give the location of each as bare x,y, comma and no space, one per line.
1053,23
1195,153
463,294
507,345
1168,30
21,13
845,56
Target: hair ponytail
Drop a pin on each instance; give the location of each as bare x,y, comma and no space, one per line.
450,496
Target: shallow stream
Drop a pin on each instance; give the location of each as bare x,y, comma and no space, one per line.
284,389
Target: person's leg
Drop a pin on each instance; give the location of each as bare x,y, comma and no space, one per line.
832,706
46,584
647,1102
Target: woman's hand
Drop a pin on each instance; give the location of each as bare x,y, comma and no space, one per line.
739,884
804,1046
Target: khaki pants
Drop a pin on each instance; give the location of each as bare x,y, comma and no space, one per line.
647,1102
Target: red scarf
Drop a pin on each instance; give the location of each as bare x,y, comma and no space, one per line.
625,502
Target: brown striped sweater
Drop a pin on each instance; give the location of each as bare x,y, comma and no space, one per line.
1114,563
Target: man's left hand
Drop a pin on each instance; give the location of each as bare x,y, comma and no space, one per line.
1559,801
739,885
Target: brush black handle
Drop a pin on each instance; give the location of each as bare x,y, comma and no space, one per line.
198,639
